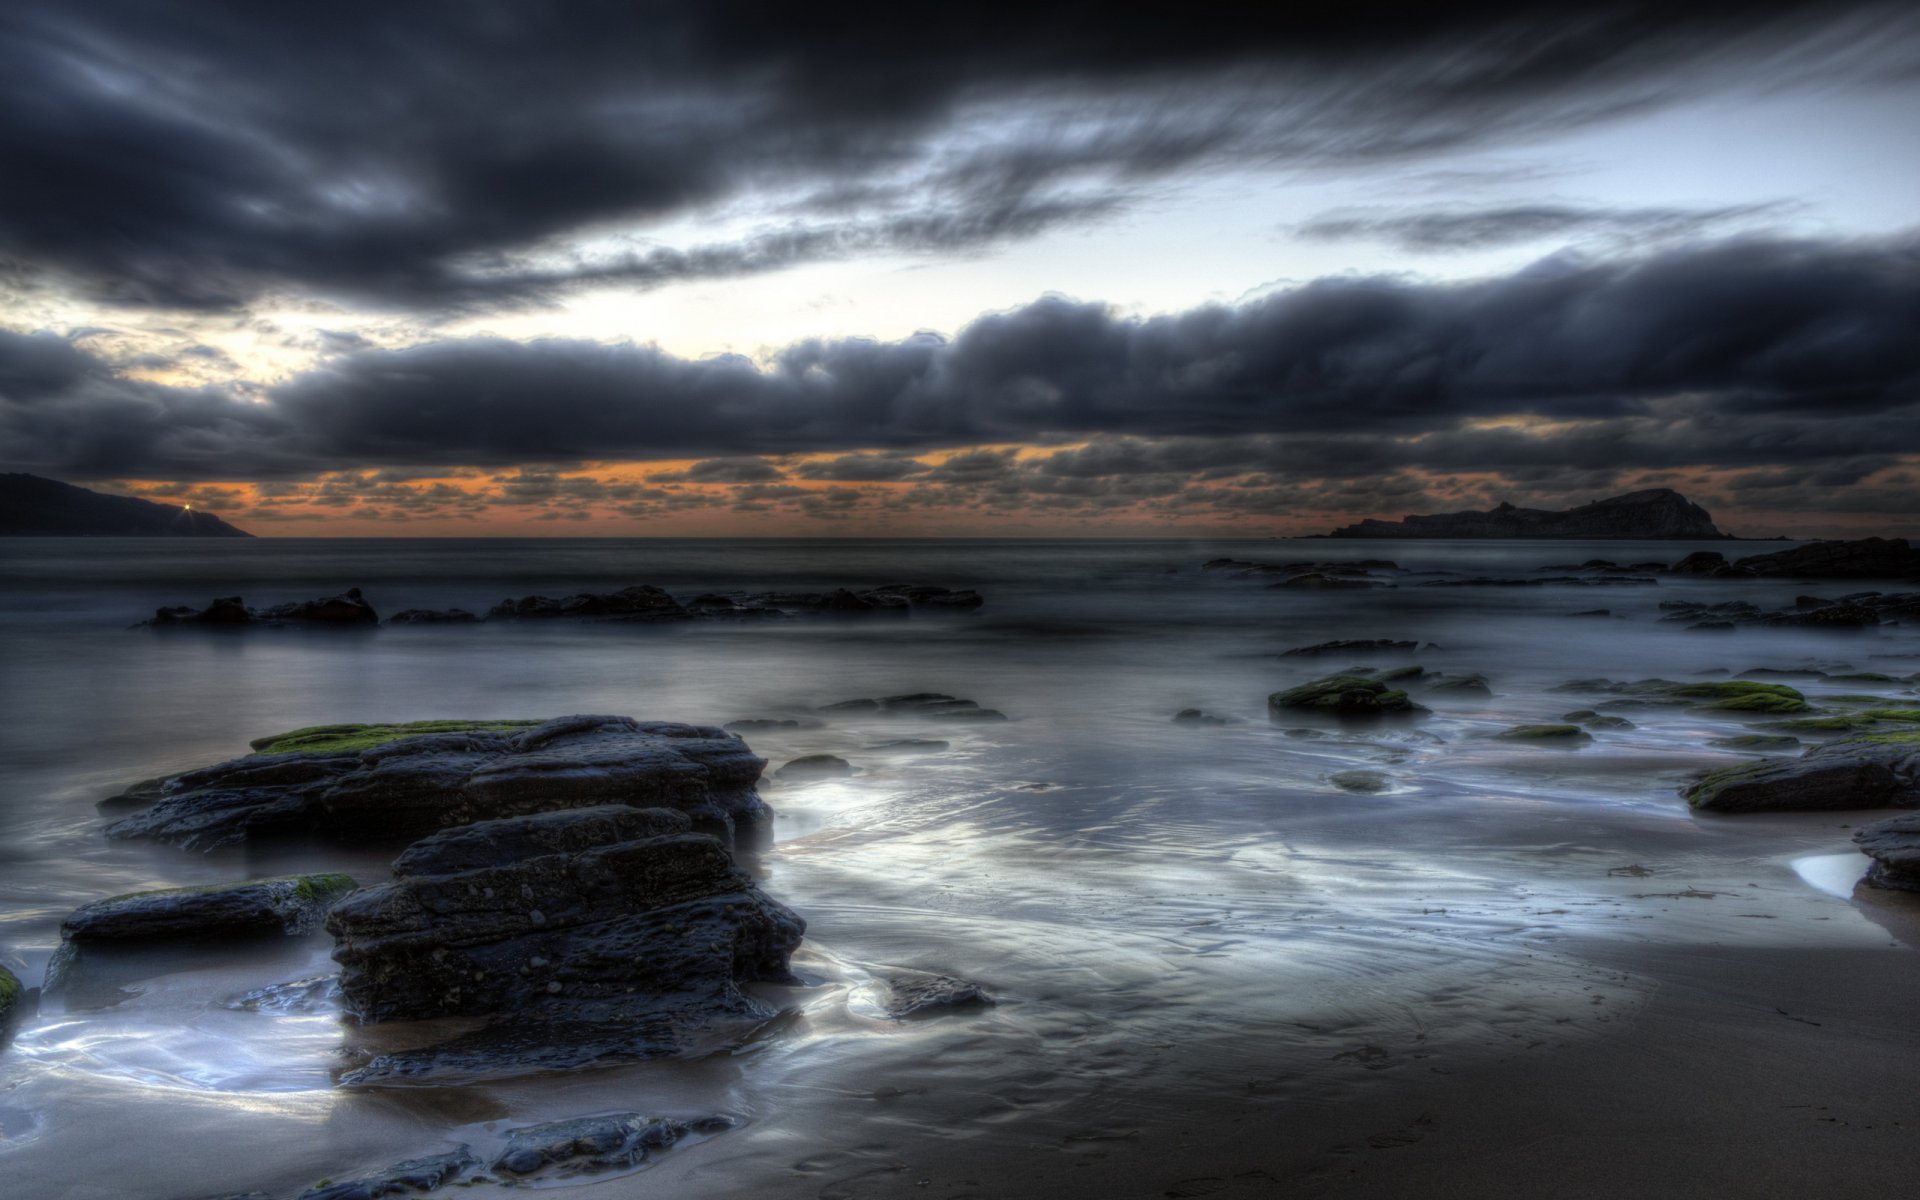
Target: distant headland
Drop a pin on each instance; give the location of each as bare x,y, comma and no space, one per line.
1654,513
34,507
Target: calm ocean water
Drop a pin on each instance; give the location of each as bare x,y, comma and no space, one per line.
1148,900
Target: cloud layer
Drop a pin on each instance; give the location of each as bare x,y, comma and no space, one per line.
197,153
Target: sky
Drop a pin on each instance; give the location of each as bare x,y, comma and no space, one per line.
852,269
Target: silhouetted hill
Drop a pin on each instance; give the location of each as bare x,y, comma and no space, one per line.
1654,513
34,507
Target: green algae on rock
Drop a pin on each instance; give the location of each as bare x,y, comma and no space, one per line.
12,1002
1369,782
1564,734
345,739
1347,695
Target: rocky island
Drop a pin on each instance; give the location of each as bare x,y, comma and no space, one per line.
1645,515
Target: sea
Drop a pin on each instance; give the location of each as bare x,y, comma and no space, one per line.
1160,909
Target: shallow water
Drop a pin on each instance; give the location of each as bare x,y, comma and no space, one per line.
1161,909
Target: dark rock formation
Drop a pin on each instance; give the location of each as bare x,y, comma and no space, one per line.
413,780
1507,581
1723,695
1195,716
816,766
406,1178
432,616
1894,847
1866,558
646,604
1345,695
1559,735
13,1003
590,935
1461,685
590,1145
349,608
937,706
34,507
1857,611
287,906
1352,646
1868,772
1655,513
1363,781
923,994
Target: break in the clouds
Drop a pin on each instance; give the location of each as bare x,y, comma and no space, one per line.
195,153
1734,354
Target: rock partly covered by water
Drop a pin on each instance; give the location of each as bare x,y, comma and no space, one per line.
1864,558
593,1145
1720,695
286,906
937,706
391,782
916,994
1650,514
590,934
1894,847
1808,612
13,1003
645,604
401,1179
346,610
1877,771
1346,695
1352,646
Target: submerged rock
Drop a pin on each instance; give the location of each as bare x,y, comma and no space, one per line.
924,994
1347,695
588,1145
1369,782
816,766
288,906
432,616
349,608
414,1175
386,782
1894,847
1461,685
936,706
1352,646
1565,735
590,935
1195,716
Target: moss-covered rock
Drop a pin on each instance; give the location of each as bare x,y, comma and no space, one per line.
1756,741
345,739
1741,695
1796,785
287,905
1346,695
1462,685
1369,782
1565,735
13,1002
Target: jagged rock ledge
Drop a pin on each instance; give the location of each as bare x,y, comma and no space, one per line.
398,782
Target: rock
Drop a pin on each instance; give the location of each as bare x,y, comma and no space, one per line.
588,1145
923,994
1595,720
1347,695
589,935
1556,734
432,616
933,705
816,766
1461,685
1593,612
394,782
911,746
760,724
1724,695
32,506
1360,781
414,1175
1865,558
1756,741
1700,562
1650,514
1867,772
636,604
1194,716
289,906
1487,581
349,608
14,1002
1353,646
1894,847
1314,579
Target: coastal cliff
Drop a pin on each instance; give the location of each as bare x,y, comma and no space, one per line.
34,507
1654,513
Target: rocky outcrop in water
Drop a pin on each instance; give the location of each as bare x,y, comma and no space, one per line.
1857,611
1871,772
935,706
379,783
1344,695
1865,558
1894,847
346,610
917,994
593,1145
591,934
646,604
1656,513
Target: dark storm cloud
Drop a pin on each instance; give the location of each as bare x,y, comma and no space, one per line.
195,152
1474,229
1739,353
